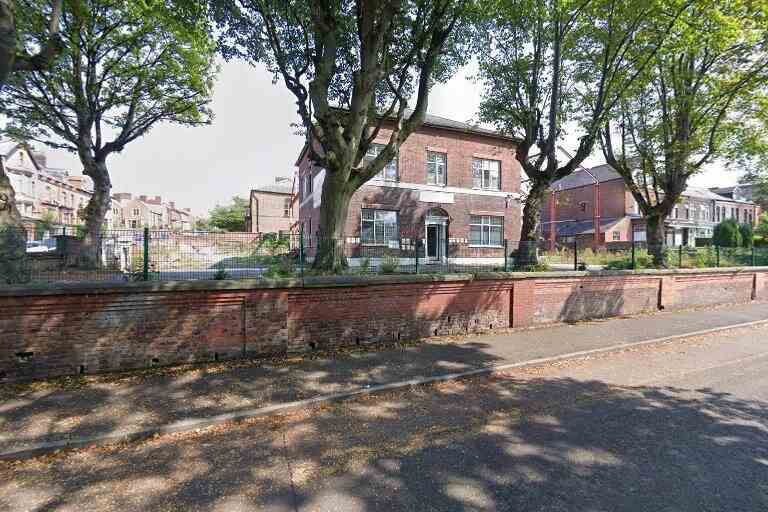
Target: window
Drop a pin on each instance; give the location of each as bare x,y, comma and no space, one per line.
135,212
486,230
583,206
677,213
389,172
717,213
436,168
486,174
687,213
616,236
134,224
287,207
378,226
738,215
308,185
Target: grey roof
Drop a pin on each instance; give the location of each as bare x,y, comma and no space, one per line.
605,172
443,122
274,188
580,177
703,193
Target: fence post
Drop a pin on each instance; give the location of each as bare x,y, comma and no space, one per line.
717,255
634,261
506,255
680,256
145,270
301,252
575,254
418,243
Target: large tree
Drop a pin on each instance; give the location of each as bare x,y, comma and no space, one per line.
675,120
548,66
353,66
19,54
127,66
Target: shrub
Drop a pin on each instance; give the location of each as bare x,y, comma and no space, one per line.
727,234
389,264
221,273
747,235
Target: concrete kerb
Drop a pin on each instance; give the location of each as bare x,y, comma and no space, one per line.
191,424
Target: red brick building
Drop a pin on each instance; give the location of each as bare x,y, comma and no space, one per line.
453,188
270,208
571,214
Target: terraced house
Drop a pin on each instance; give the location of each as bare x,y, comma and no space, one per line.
453,189
599,197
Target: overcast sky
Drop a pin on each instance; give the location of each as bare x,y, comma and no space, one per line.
251,141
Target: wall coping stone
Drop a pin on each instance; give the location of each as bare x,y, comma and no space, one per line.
336,281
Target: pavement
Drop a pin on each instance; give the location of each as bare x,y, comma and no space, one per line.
678,426
47,416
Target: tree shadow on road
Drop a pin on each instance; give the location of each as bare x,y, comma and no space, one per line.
517,442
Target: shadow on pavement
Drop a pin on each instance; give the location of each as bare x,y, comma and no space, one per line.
504,443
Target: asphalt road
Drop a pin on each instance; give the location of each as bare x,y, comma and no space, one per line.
677,427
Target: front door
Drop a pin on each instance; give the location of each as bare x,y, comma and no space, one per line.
435,241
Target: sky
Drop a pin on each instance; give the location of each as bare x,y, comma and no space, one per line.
251,141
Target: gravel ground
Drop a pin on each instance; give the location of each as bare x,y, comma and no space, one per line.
681,426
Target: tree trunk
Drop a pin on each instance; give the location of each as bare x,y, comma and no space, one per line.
655,235
7,40
330,242
14,267
95,213
528,252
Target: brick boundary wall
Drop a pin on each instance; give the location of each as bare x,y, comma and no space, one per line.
101,328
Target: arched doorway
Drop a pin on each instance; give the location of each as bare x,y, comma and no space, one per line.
436,235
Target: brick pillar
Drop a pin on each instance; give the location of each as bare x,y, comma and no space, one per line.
523,303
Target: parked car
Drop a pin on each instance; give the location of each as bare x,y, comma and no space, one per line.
36,246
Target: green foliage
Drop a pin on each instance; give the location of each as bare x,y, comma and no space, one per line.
727,234
229,217
221,273
762,226
390,264
126,66
707,78
45,224
283,267
747,235
274,245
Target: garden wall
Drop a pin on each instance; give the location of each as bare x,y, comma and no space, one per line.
100,328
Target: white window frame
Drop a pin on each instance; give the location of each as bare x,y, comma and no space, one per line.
615,236
486,226
482,177
391,171
437,170
380,226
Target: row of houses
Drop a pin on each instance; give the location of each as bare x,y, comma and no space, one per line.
598,197
453,183
55,196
